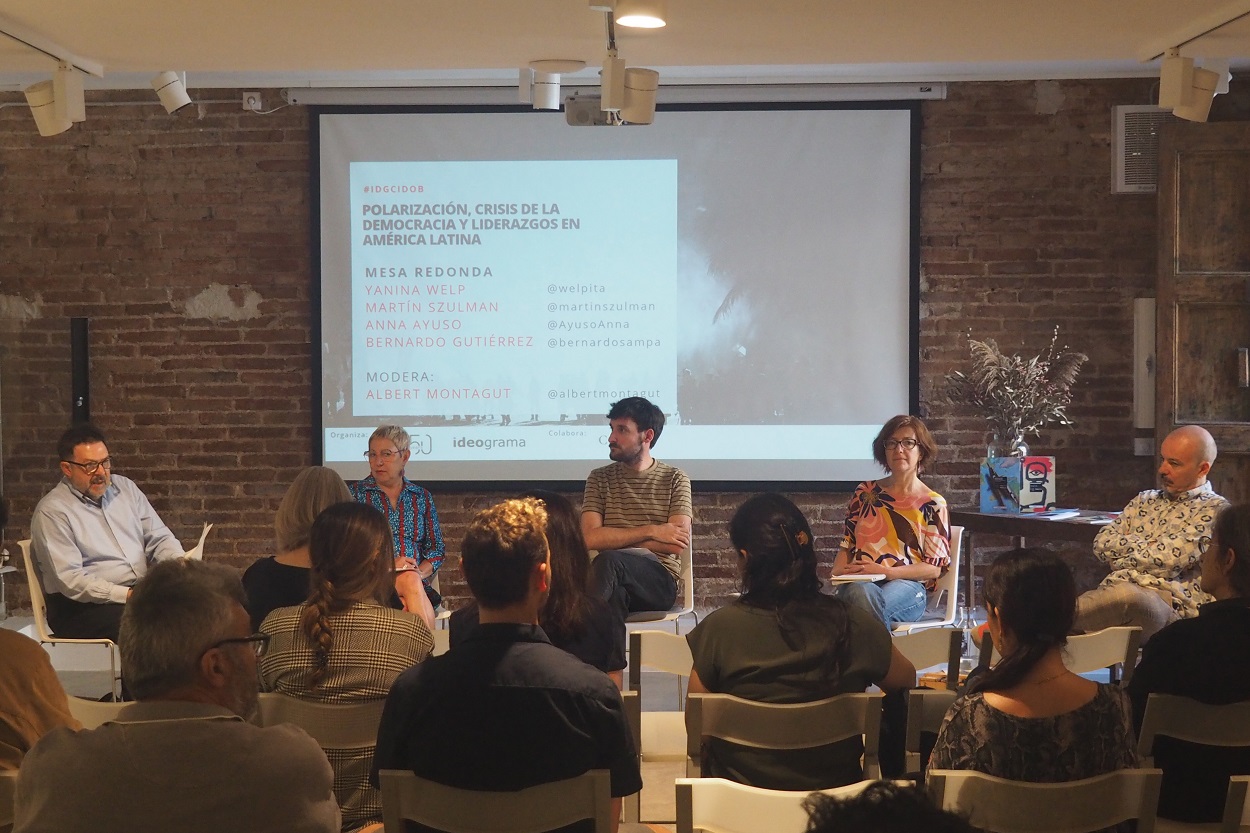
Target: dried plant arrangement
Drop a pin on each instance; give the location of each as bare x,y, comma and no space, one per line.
1016,396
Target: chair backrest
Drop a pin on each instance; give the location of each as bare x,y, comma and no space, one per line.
1236,809
721,806
93,713
332,725
532,810
1186,719
1002,806
925,710
442,641
657,651
38,606
8,788
1086,652
783,725
933,646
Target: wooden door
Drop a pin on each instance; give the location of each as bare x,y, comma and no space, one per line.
1204,292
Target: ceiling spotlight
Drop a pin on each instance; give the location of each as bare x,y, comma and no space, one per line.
1188,90
641,14
42,100
640,91
542,78
172,90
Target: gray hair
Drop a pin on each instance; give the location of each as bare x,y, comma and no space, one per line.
393,433
176,612
313,489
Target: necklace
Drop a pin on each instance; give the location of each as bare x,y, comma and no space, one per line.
1051,677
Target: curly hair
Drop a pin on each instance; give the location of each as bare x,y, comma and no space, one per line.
353,560
500,550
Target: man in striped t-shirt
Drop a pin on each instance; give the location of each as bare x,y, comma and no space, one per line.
637,513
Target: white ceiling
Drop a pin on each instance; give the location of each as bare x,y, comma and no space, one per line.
273,43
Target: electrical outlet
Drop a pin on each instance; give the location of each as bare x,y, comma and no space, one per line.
252,102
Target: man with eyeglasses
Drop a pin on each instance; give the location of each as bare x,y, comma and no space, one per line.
1152,547
185,756
92,537
410,510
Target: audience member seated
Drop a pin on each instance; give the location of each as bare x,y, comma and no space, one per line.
1206,658
1029,718
410,511
92,537
1152,547
636,513
896,527
783,641
32,701
883,807
282,580
506,709
572,618
184,757
344,644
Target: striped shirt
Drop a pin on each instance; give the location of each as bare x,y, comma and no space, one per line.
627,499
414,520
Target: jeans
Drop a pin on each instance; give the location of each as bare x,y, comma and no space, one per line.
894,601
633,580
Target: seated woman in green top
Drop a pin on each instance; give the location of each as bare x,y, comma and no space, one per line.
783,641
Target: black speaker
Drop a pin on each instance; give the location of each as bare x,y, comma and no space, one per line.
80,371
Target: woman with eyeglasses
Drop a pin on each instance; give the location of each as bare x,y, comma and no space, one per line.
1207,658
344,643
897,537
1029,718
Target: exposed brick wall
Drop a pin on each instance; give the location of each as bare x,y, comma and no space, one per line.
185,240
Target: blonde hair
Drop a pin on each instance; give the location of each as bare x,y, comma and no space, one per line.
313,489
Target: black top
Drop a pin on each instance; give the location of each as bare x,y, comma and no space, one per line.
270,585
506,710
1206,658
601,642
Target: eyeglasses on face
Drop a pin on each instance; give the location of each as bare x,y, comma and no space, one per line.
908,444
386,456
258,641
93,466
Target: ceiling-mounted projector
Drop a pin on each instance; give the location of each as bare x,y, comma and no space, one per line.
586,111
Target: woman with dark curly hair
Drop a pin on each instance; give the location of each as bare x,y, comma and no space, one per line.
783,641
897,529
345,644
1029,718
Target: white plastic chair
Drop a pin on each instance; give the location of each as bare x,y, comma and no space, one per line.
442,642
684,604
783,725
941,609
44,632
1003,806
533,810
1236,808
92,713
658,735
332,725
928,647
441,613
721,806
1086,652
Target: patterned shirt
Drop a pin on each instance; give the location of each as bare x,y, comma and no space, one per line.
414,521
1154,543
372,646
627,498
897,530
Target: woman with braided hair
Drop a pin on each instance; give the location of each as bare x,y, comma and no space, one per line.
345,644
1029,718
783,641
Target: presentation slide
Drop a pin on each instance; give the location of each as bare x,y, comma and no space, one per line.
494,280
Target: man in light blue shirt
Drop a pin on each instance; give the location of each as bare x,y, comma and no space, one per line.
92,538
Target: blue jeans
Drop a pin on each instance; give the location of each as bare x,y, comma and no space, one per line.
898,600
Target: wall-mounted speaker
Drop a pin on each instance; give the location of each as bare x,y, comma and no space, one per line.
1137,148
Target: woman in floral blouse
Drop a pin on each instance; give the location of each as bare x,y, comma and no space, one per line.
897,537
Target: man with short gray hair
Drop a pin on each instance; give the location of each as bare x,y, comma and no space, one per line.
184,757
